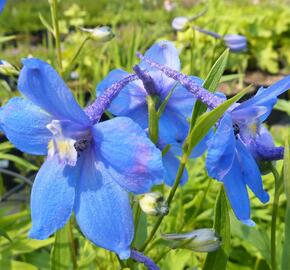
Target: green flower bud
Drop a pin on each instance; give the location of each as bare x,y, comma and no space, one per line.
201,240
101,34
154,204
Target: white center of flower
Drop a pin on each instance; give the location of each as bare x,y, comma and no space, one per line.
60,145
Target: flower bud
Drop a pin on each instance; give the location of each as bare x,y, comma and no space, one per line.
101,34
236,43
180,23
154,204
201,240
7,69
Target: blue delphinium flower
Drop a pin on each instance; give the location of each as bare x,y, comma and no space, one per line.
234,149
90,166
2,5
235,42
131,102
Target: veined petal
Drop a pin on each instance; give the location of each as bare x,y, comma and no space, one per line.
221,150
251,172
171,164
102,208
237,193
52,197
131,97
40,83
132,160
267,97
24,124
165,53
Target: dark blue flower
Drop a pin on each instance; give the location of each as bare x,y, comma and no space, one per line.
90,167
131,102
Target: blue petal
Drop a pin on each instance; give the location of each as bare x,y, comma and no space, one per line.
182,100
132,159
52,197
2,5
102,208
173,126
248,115
171,164
130,97
40,83
251,172
166,54
237,193
221,150
24,124
202,146
267,97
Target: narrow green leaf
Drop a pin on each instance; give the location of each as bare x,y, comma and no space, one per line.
5,235
219,258
207,120
211,83
45,23
283,105
61,254
286,171
286,175
20,161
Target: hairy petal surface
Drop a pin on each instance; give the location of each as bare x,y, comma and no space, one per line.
102,207
52,197
130,98
130,157
40,83
24,124
164,53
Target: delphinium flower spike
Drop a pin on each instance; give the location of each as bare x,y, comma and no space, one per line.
239,142
131,102
90,166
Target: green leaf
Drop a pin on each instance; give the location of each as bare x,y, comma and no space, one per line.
207,120
5,235
20,161
45,23
219,258
16,265
61,253
211,83
286,176
283,105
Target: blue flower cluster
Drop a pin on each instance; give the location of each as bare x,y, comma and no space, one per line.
91,166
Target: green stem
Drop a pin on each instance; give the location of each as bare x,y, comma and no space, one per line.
152,119
68,69
274,217
136,220
179,174
53,8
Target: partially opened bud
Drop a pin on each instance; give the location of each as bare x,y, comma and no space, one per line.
236,43
201,240
7,69
180,23
154,204
101,34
